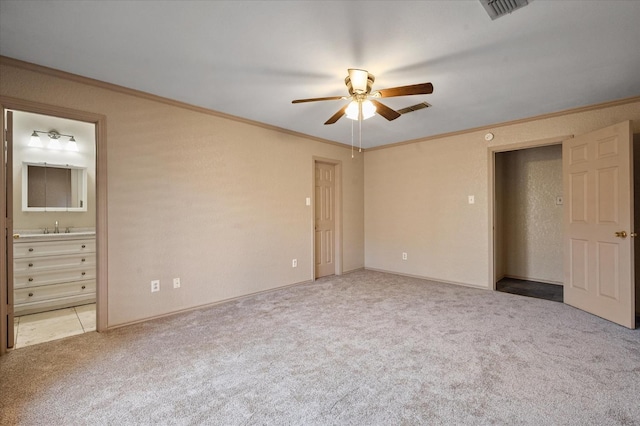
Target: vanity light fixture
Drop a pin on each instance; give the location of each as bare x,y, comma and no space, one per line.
72,145
54,140
35,140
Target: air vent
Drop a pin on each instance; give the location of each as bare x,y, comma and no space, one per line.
498,8
416,107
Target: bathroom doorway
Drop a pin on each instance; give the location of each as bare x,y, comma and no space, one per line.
54,227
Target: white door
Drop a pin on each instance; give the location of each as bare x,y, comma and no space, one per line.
598,223
325,175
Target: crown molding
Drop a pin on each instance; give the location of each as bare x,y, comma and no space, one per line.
16,63
561,113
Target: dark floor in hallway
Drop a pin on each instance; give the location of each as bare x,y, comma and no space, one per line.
531,289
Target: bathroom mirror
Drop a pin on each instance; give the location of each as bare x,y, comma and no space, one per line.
53,187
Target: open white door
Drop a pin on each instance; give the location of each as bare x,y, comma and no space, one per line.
6,251
598,223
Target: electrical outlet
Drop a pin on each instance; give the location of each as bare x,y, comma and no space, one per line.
294,263
155,286
176,283
404,256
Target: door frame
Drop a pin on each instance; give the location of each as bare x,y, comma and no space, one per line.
492,151
337,211
100,123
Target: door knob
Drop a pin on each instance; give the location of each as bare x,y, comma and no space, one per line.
633,234
621,234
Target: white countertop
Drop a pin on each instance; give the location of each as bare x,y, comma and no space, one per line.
32,235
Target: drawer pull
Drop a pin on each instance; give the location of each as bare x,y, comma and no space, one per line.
30,265
83,246
30,294
84,273
84,286
30,249
30,279
84,260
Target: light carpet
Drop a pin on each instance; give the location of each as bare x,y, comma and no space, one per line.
365,348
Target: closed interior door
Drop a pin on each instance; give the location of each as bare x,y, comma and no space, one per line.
598,221
325,222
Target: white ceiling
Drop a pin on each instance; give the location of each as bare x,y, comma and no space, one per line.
251,58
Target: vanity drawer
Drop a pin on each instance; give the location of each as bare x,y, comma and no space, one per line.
27,266
35,294
53,277
53,248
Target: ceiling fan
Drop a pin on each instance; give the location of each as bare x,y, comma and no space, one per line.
364,103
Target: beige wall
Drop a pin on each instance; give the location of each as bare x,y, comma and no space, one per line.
23,125
529,219
416,195
220,203
217,202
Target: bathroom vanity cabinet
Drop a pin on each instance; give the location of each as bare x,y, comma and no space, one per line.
53,271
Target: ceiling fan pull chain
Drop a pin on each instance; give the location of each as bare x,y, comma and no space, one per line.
351,138
360,130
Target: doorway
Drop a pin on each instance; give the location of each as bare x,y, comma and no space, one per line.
92,275
327,218
598,263
54,214
528,227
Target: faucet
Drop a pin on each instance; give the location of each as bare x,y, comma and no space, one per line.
56,230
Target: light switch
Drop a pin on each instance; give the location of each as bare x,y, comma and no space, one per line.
308,201
472,199
559,201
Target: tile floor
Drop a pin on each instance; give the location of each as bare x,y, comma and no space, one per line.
531,288
53,325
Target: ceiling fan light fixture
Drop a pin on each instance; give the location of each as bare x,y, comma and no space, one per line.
353,110
368,109
358,80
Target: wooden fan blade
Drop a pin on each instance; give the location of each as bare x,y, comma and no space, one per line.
337,116
414,89
330,98
385,111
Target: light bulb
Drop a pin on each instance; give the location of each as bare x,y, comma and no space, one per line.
35,141
358,79
72,145
368,110
54,144
352,110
